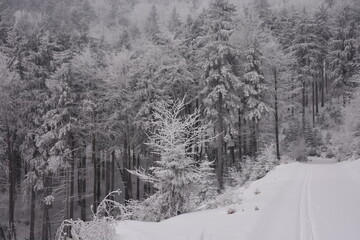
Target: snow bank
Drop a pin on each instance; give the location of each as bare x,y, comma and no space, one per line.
214,224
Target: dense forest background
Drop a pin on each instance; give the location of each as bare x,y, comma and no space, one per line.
80,80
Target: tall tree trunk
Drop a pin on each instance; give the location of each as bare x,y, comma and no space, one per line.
107,176
303,120
276,116
313,101
32,214
46,233
323,86
72,177
325,78
134,179
82,185
317,97
95,165
220,142
306,95
98,180
240,133
113,159
232,153
292,101
103,165
10,157
125,174
79,180
254,137
245,139
138,197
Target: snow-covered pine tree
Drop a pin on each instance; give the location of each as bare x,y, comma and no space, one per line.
174,24
220,80
344,58
307,50
255,89
152,24
9,122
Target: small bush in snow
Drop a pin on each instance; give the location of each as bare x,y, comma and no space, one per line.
256,168
100,228
251,170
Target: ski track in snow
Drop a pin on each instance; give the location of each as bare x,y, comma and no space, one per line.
306,223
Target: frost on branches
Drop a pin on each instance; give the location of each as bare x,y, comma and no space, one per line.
179,179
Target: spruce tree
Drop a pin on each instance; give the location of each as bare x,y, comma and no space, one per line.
152,24
219,80
344,58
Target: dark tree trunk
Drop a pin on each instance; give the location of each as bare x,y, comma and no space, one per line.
292,101
72,177
98,180
46,233
245,139
82,186
113,159
126,177
254,137
134,178
138,196
232,153
95,166
306,95
32,214
317,97
323,87
220,142
313,102
12,178
108,176
325,79
276,116
240,133
103,166
303,120
79,180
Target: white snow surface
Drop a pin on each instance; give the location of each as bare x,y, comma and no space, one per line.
319,200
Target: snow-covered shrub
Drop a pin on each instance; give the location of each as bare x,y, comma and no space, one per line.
298,151
252,169
229,196
299,143
265,162
346,141
101,227
331,117
181,182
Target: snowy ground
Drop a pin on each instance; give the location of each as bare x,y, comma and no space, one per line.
314,201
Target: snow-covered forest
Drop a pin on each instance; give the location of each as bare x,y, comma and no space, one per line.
114,110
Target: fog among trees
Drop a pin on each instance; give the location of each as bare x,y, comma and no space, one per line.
170,101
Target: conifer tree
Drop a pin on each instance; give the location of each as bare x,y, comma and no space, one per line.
152,23
174,22
219,80
254,89
343,52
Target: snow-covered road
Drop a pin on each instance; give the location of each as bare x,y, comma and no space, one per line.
319,200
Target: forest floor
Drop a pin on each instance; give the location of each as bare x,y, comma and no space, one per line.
318,200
